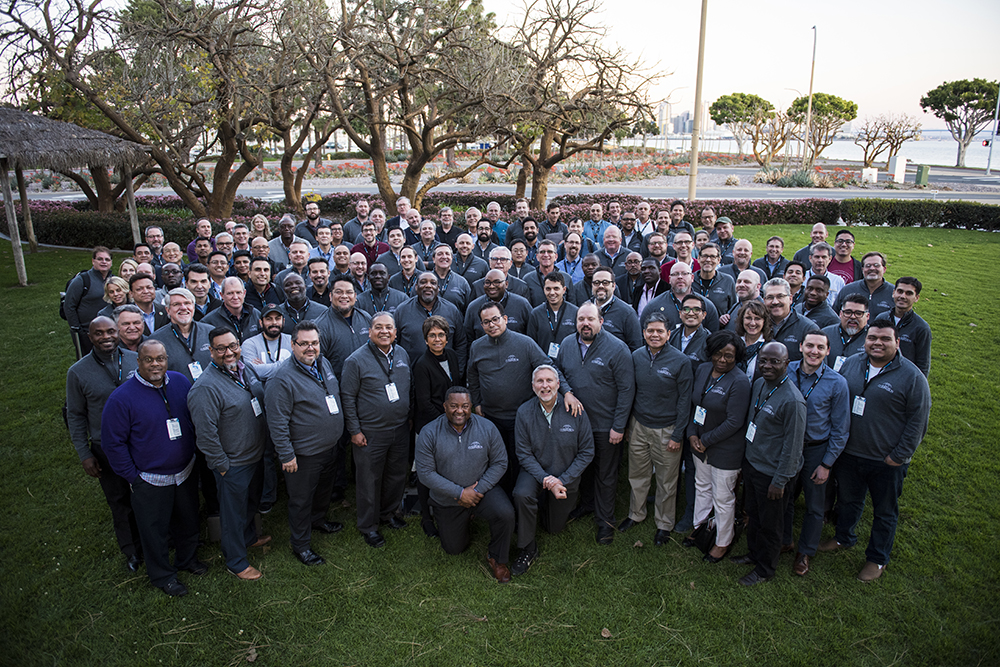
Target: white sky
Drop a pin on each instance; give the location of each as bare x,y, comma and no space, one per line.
882,54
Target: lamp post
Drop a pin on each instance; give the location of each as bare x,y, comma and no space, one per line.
693,178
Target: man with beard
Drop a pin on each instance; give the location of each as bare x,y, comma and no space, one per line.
598,367
451,286
465,263
535,280
747,289
814,305
227,408
517,309
873,286
391,258
553,320
379,298
297,306
154,239
319,277
530,240
484,235
352,228
271,347
260,290
571,264
307,228
370,247
618,318
410,316
89,383
656,247
708,218
847,337
172,277
406,279
515,232
242,321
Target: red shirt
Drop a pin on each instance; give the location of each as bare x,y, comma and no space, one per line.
665,269
844,269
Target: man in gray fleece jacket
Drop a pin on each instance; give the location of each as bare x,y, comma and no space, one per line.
554,447
460,458
377,409
305,417
776,427
227,407
891,403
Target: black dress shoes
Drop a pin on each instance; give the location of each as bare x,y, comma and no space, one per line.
394,522
625,524
197,568
374,539
709,558
133,563
309,557
605,535
745,559
661,537
430,530
579,512
329,527
174,589
753,579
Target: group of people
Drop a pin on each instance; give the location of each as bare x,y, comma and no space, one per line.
512,366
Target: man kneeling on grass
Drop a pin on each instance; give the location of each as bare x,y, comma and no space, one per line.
461,457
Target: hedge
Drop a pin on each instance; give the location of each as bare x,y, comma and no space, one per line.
69,224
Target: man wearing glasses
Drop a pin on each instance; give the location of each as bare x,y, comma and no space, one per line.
500,258
669,303
715,286
873,286
842,263
620,319
227,408
787,327
847,337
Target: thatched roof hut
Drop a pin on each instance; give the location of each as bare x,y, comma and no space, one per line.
28,141
35,142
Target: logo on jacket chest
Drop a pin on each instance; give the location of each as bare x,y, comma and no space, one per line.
597,361
566,428
886,387
511,359
475,444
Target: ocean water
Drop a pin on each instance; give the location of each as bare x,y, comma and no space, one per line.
936,148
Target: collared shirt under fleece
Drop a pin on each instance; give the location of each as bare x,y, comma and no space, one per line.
181,353
363,386
447,461
828,407
780,418
563,447
228,430
89,383
546,327
896,412
499,373
604,381
662,389
298,416
842,345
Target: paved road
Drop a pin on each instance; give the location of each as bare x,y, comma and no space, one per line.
940,177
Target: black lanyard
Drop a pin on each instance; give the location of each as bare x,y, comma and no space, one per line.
868,368
318,365
296,314
819,376
758,405
118,381
571,268
163,395
408,283
242,385
710,387
385,301
277,358
192,338
388,373
553,325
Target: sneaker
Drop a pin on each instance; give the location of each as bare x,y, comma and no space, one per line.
870,572
523,561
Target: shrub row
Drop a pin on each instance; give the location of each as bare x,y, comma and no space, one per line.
65,223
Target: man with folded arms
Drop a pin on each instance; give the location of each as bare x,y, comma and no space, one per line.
148,436
460,458
227,408
305,418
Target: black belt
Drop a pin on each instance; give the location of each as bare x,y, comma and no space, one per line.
814,443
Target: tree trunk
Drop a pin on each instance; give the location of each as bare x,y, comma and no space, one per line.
293,199
29,229
962,147
102,184
539,187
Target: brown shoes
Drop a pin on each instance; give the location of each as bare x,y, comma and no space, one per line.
870,572
249,574
801,566
787,548
261,541
500,570
830,545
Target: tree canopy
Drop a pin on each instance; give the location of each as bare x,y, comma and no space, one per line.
966,107
829,114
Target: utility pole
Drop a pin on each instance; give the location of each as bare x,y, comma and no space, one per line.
693,178
809,108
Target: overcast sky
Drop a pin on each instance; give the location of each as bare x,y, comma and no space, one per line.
883,55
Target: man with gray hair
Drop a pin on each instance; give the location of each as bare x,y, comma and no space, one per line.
244,322
447,232
186,341
787,327
399,220
819,257
131,326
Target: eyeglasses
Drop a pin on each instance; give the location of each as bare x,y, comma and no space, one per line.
157,360
843,242
853,313
494,282
493,320
703,257
680,274
867,267
602,283
306,343
232,347
689,310
499,259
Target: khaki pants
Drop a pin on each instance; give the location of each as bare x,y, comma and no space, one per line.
647,449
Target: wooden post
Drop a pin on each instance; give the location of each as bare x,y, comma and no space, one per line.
22,192
15,235
133,215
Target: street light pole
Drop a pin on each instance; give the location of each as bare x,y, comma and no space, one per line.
693,178
809,108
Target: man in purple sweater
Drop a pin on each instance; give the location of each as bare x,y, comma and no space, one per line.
148,437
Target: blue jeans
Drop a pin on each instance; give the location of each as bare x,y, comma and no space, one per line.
855,478
815,499
239,495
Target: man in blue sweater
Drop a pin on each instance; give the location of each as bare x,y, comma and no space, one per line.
148,436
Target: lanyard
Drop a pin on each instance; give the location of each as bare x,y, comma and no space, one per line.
846,341
571,267
118,381
758,405
710,386
318,365
443,284
192,338
163,395
819,376
277,357
868,368
239,383
385,301
554,324
295,314
388,373
408,283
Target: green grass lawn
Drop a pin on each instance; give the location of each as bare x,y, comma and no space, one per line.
67,599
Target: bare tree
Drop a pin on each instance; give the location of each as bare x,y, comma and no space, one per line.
577,90
871,136
899,130
769,131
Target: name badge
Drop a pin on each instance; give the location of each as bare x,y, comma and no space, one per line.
255,404
174,428
553,350
331,405
392,392
751,431
838,363
859,406
195,369
699,415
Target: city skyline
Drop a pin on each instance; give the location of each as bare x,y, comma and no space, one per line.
888,75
